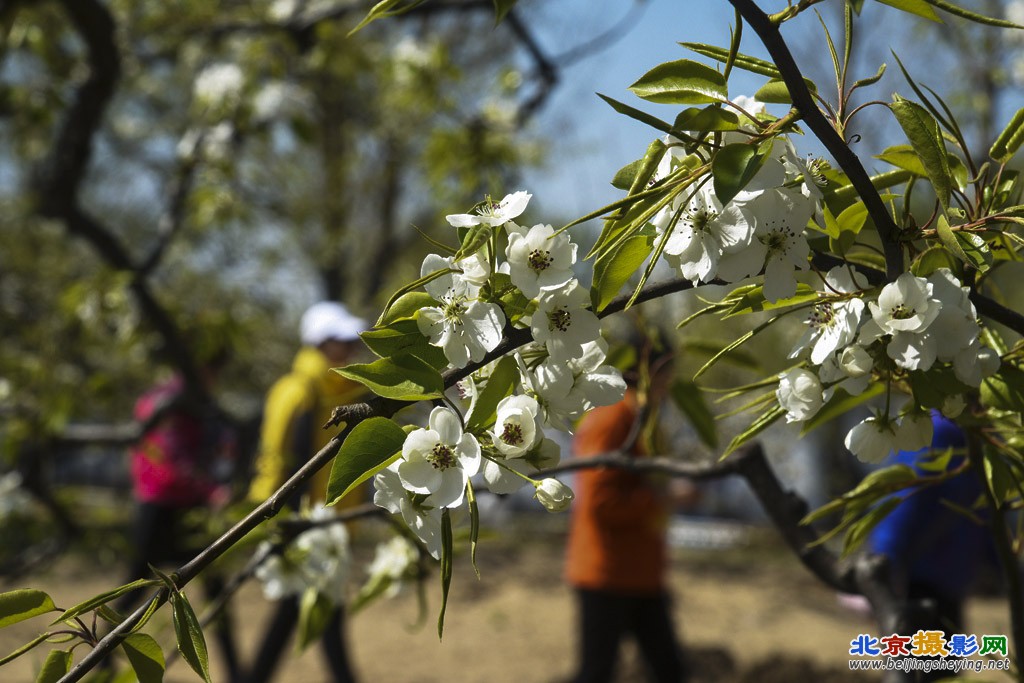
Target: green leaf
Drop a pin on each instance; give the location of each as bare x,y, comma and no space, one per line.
501,9
707,119
752,300
742,61
625,176
404,337
406,306
972,16
968,247
384,9
56,666
689,398
999,476
503,378
918,7
145,656
733,167
366,450
191,642
870,80
410,287
904,156
681,82
766,420
858,531
932,388
613,269
474,525
1010,139
103,598
776,91
923,132
933,258
1005,389
35,642
315,612
22,604
636,114
446,567
403,377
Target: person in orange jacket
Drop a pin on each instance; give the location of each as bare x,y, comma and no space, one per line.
617,552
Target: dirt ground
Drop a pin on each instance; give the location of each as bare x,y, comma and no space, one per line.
747,614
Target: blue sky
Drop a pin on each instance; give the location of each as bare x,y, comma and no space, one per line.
592,141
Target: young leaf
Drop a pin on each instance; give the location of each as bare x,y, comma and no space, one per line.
636,114
858,531
406,306
742,61
403,377
1010,139
56,666
918,7
315,612
614,268
923,132
364,452
733,167
689,398
35,642
384,9
681,82
501,9
191,642
145,656
776,91
103,598
446,566
766,420
707,119
22,604
972,16
502,379
474,525
403,337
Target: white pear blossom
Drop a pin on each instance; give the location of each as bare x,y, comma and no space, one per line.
418,512
508,475
395,561
440,459
493,214
319,558
566,390
553,495
538,259
281,575
872,440
779,245
905,305
465,328
218,84
563,321
855,361
800,394
701,232
328,558
517,428
833,323
853,377
914,431
974,363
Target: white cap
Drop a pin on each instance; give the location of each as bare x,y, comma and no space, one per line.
329,320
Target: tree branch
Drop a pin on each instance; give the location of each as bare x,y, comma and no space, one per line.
769,34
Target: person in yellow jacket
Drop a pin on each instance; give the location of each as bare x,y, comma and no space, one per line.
297,407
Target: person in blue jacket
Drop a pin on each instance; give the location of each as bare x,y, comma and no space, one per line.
934,551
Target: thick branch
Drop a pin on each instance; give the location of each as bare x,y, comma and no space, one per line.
769,34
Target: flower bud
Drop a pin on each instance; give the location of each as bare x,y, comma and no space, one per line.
553,495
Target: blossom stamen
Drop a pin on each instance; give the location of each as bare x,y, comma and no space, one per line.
441,457
559,319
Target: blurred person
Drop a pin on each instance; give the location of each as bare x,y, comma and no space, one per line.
185,444
617,551
934,551
297,407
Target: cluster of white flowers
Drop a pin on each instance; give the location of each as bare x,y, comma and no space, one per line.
563,372
908,326
319,559
394,562
760,229
218,84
